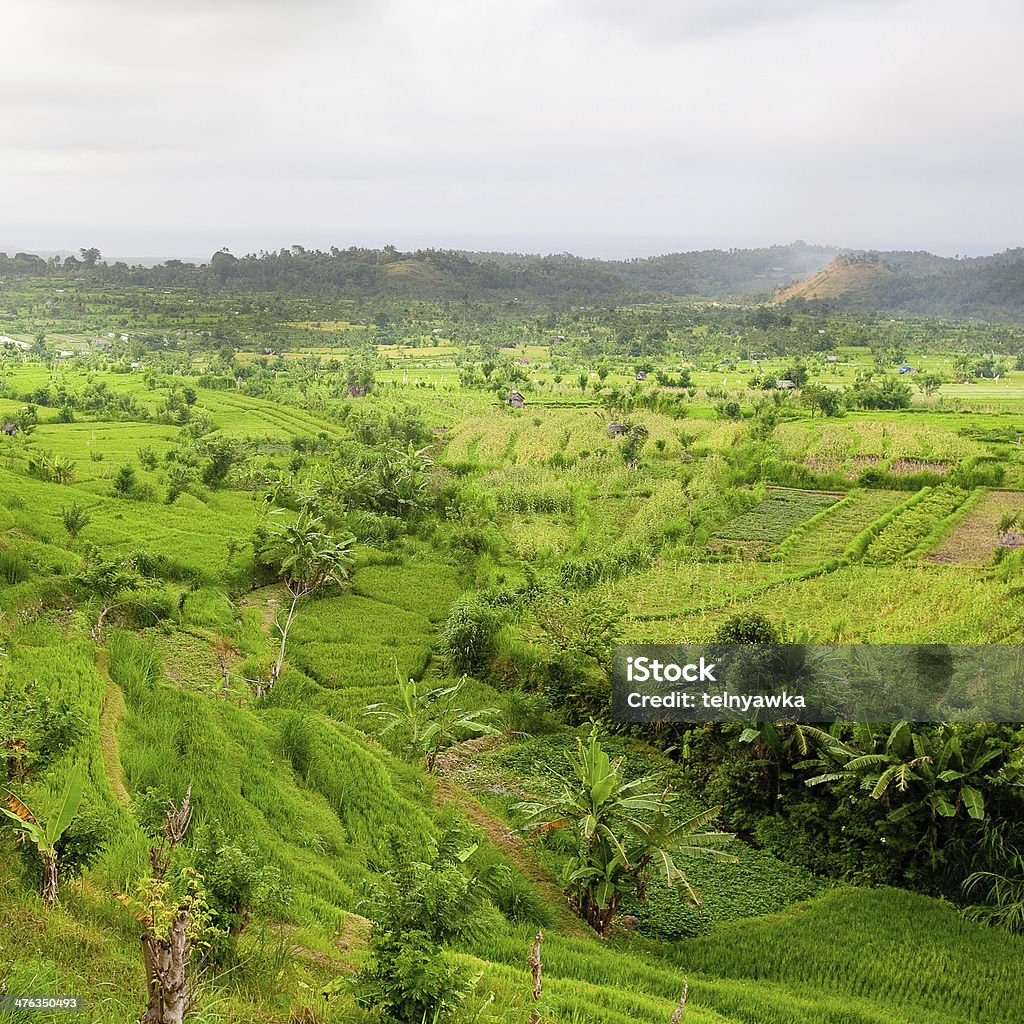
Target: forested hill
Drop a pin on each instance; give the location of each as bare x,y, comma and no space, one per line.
987,287
445,274
990,287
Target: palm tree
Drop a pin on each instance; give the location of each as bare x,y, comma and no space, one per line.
47,835
622,831
75,519
308,559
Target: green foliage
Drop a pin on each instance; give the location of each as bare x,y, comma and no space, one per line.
410,979
75,520
1001,893
305,555
78,848
36,726
890,394
620,832
125,482
467,641
238,882
747,628
931,773
46,834
426,722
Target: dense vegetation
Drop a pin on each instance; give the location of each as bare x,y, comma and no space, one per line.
307,628
915,283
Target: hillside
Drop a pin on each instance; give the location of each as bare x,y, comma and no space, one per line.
844,276
988,287
917,283
351,827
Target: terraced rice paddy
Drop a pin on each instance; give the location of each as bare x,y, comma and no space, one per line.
775,517
912,527
829,536
974,540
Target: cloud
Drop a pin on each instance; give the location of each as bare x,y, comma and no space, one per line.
728,123
664,22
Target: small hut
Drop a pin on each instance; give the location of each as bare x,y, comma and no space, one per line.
640,375
10,429
617,429
516,399
785,384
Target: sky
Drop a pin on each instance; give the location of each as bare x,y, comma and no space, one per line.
611,128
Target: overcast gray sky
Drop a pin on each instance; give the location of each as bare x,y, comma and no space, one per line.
601,127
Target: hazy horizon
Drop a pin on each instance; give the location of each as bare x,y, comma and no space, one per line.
602,128
152,257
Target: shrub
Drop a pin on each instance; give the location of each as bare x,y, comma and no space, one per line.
237,880
467,642
409,979
77,849
748,628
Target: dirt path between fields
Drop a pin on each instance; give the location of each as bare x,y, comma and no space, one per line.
511,843
112,711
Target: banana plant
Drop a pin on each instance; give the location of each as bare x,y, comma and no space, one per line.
430,721
623,831
934,769
46,835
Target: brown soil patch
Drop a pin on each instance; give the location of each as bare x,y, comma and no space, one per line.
904,467
975,539
858,463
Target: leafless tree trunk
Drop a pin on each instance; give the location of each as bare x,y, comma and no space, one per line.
176,822
97,630
534,962
275,672
677,1014
166,962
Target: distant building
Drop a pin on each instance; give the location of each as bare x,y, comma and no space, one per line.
10,429
516,399
831,359
640,375
907,369
1007,539
785,384
617,429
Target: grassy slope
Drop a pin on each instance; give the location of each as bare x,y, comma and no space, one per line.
325,803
